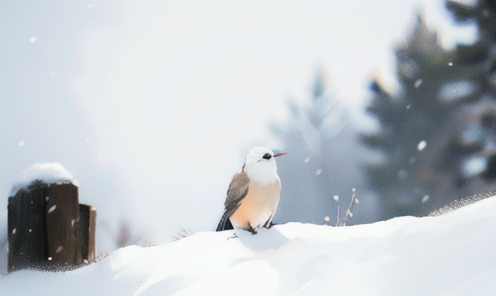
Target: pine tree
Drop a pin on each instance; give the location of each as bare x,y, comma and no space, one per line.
420,128
322,162
481,53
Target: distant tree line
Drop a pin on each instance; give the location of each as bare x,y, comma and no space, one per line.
436,140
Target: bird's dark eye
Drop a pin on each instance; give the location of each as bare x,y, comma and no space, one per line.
267,156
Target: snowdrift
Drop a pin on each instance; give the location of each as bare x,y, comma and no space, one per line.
453,254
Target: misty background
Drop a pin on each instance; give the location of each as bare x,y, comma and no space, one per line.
152,106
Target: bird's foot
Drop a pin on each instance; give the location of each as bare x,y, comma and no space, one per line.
269,225
234,236
253,230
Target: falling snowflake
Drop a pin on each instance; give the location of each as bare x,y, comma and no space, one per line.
52,209
421,145
425,199
417,83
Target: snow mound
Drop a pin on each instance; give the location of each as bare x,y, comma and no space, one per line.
44,172
461,202
452,254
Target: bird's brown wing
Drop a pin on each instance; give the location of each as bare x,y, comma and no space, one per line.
238,189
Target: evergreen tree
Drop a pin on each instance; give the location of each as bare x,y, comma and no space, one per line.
420,128
481,53
323,159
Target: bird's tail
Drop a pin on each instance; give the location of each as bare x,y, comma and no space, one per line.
224,224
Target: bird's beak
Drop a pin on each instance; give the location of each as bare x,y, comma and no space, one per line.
279,154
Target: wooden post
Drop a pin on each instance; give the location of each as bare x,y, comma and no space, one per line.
62,215
86,243
27,229
45,228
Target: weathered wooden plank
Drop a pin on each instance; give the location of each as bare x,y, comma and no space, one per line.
62,216
87,231
27,228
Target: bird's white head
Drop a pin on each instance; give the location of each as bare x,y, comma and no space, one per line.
260,165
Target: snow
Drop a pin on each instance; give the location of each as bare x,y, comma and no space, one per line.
52,208
452,254
418,82
425,198
45,172
421,145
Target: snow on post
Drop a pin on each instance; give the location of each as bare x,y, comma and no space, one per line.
46,173
47,227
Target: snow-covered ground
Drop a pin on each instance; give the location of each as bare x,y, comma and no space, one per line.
453,254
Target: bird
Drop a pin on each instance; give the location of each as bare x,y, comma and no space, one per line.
253,194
